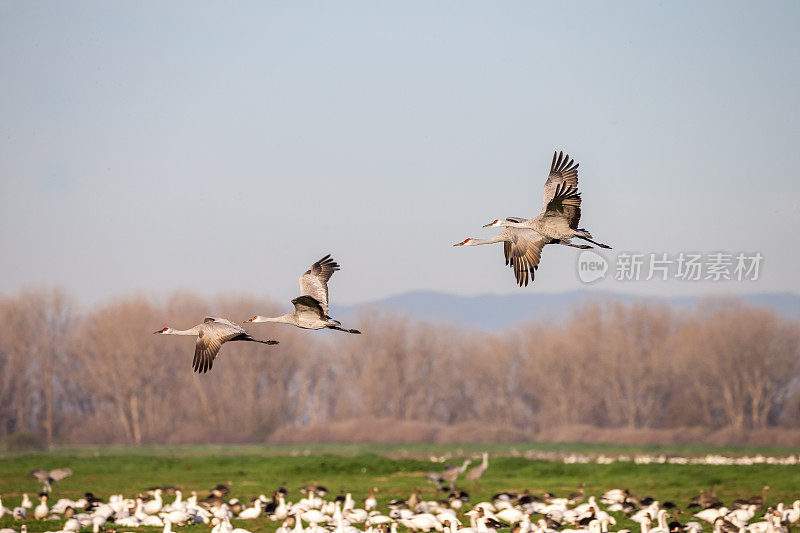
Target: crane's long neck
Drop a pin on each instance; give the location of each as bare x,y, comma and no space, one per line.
283,319
191,331
500,237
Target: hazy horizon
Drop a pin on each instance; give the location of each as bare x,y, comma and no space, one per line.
197,146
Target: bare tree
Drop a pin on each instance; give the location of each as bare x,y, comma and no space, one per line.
104,377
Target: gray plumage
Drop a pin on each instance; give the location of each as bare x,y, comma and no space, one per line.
561,206
211,335
451,473
311,307
48,477
556,224
314,282
477,472
522,248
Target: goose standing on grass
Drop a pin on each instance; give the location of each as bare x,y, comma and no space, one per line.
41,510
561,209
155,505
252,512
371,502
211,335
311,307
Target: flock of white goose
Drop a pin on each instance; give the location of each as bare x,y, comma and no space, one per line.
313,513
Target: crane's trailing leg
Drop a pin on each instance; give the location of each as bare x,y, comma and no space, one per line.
345,330
567,242
586,236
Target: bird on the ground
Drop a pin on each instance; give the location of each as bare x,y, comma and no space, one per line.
579,495
41,510
153,506
371,502
476,472
19,513
451,473
758,500
251,512
211,335
49,478
22,529
311,307
561,208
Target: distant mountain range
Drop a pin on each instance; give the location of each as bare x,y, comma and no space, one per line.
493,313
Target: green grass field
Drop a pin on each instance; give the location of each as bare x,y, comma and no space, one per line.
253,470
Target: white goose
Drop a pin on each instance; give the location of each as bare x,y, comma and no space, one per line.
3,510
510,515
282,510
177,505
792,514
41,510
371,502
252,512
710,515
298,524
154,506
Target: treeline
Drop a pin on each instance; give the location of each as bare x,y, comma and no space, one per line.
101,376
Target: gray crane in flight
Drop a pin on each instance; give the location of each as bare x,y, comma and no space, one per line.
211,335
311,307
557,224
561,206
522,248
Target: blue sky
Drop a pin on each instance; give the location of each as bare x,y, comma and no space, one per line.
225,146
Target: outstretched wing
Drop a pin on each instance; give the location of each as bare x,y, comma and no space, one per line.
314,282
523,251
563,178
307,304
42,475
60,473
212,335
565,204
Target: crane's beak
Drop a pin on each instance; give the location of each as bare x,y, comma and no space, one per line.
459,244
157,332
250,319
489,225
